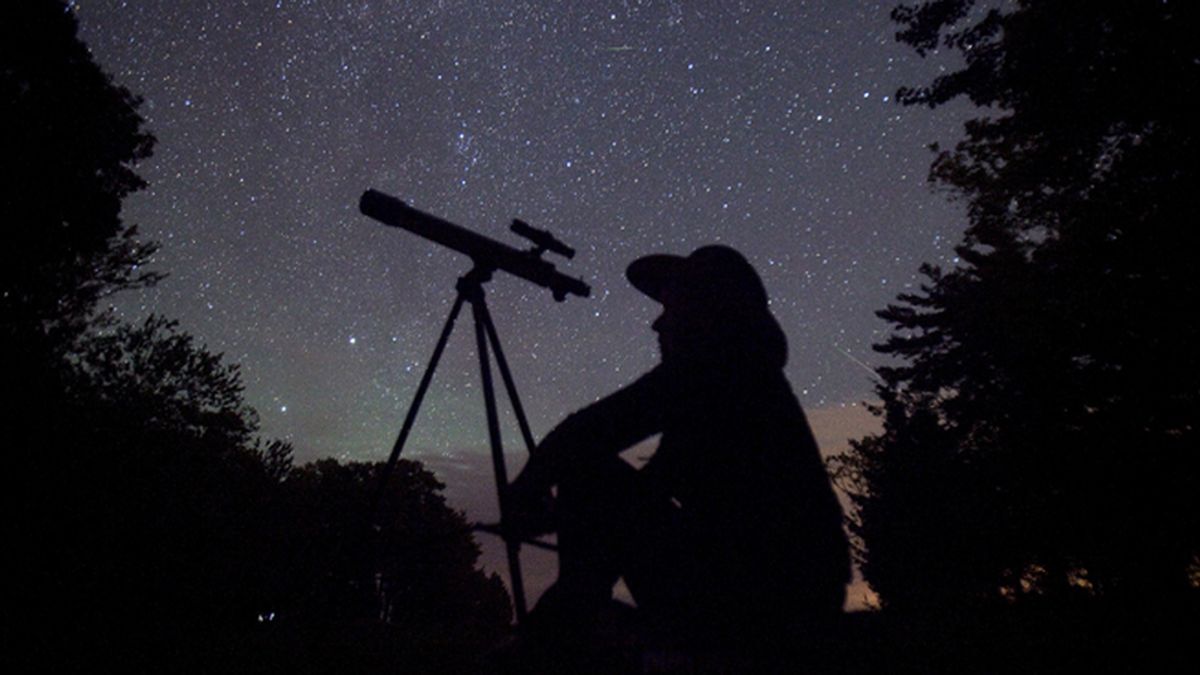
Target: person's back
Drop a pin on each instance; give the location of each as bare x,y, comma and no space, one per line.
732,526
738,457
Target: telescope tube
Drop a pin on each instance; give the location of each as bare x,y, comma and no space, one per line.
484,251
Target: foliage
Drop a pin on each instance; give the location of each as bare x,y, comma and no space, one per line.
1040,429
71,138
151,527
408,569
163,530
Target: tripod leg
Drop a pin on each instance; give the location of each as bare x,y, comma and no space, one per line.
511,544
509,385
416,404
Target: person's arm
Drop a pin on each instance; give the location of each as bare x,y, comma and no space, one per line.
607,426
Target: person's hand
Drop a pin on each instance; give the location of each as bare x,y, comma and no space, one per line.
528,510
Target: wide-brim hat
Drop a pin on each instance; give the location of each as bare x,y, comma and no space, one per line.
712,273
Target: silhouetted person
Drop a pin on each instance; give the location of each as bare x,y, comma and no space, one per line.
731,529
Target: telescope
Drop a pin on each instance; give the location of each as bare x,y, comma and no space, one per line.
488,255
485,252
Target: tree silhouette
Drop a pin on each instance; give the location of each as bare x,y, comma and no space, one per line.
162,534
1040,429
145,499
149,526
71,139
398,587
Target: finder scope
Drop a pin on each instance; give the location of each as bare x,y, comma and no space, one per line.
484,251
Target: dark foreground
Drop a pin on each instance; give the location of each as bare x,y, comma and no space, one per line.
1084,638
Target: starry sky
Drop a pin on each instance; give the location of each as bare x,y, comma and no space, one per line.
625,128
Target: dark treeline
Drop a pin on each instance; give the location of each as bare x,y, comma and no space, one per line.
1040,417
1032,503
150,528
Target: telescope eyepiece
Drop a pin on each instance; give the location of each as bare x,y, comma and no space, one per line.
542,239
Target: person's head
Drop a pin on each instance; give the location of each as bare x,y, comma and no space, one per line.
714,306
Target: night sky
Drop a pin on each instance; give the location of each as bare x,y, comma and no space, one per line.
625,128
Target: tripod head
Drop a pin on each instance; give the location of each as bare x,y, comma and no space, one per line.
487,253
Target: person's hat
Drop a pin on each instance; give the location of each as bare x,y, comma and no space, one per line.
714,273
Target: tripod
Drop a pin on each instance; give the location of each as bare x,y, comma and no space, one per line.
470,289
